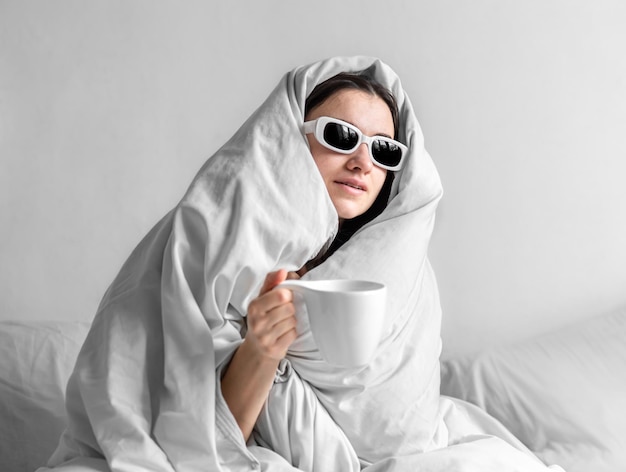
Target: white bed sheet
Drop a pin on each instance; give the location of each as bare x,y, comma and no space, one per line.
563,394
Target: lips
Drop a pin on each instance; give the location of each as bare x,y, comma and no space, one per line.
352,183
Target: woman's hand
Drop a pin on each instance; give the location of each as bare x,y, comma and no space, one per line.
271,318
271,330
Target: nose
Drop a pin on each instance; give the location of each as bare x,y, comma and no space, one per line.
360,159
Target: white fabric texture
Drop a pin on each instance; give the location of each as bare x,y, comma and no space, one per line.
145,393
36,359
563,394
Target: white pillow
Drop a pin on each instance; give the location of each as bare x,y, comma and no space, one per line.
36,359
562,394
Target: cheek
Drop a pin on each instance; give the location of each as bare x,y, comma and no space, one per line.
378,178
324,162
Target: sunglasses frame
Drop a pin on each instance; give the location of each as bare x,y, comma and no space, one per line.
316,128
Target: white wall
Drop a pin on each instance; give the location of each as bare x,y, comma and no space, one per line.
108,108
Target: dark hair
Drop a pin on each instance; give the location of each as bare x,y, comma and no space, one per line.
352,81
323,91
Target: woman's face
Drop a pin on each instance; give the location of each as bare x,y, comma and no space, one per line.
352,180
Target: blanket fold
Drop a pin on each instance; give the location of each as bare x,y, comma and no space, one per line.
146,394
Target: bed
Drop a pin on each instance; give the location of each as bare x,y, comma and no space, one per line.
563,394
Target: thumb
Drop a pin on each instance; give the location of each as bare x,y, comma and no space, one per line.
272,280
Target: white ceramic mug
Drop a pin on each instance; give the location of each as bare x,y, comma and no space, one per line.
346,317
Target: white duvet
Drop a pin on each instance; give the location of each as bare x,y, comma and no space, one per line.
145,392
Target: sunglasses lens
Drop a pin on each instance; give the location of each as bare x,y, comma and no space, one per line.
386,153
340,136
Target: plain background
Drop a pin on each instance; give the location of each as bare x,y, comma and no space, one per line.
108,108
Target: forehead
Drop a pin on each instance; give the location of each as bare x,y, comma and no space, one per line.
366,111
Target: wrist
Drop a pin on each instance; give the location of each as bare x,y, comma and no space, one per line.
257,357
246,384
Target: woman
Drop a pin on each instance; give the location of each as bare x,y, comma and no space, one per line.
354,179
194,362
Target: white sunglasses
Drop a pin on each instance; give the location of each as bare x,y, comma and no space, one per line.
345,138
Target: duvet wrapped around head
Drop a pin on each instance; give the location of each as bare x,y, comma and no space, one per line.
151,369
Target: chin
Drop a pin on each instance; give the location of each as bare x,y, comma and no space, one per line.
350,209
349,214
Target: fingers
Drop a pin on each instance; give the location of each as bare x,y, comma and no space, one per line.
268,301
285,340
279,323
272,332
272,280
271,317
261,319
